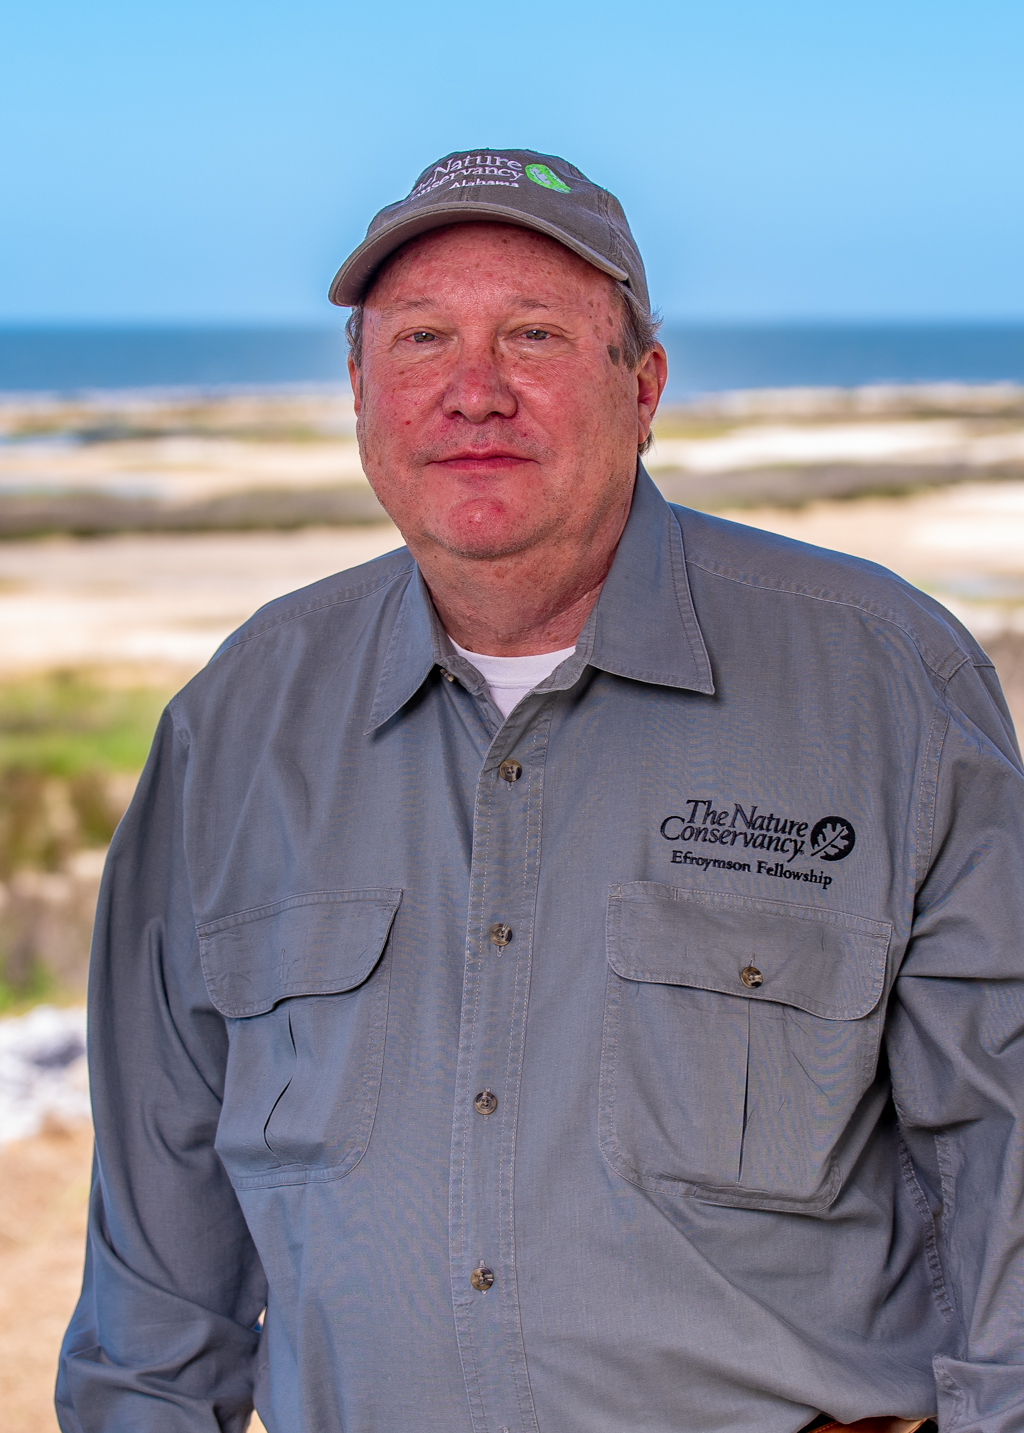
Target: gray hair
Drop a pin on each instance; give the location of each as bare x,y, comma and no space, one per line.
637,337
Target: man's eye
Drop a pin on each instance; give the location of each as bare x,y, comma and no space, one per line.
535,333
423,336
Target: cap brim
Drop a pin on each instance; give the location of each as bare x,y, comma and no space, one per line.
353,278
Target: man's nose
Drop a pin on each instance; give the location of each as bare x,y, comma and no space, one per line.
477,388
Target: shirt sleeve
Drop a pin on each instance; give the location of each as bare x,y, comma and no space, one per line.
956,1052
164,1336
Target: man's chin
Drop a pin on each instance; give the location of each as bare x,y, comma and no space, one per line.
483,547
483,543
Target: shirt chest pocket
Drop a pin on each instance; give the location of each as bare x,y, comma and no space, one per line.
740,1043
303,985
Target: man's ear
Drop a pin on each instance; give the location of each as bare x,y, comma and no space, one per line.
651,378
356,380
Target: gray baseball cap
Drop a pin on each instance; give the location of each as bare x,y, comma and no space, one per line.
515,186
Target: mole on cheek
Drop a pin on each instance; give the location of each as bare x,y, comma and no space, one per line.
613,354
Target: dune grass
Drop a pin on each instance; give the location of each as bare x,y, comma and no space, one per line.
71,745
65,723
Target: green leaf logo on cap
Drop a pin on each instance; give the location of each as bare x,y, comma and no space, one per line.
541,174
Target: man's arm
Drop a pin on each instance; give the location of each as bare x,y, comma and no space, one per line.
163,1337
956,1050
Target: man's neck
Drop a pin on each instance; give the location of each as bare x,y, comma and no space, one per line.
526,602
520,605
490,628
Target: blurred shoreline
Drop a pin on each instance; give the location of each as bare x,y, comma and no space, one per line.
186,462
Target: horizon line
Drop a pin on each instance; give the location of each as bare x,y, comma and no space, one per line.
311,325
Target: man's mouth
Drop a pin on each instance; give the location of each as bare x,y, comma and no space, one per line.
495,460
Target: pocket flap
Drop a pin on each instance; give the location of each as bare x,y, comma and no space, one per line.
823,961
320,943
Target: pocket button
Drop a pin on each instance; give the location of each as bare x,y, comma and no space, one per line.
751,977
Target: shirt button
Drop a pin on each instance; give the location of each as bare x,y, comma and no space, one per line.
751,977
510,770
449,677
501,934
482,1278
486,1102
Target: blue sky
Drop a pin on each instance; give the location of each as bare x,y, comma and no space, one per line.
214,160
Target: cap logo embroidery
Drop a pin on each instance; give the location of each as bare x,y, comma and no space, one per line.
542,175
468,169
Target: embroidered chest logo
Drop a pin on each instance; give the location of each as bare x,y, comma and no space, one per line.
739,830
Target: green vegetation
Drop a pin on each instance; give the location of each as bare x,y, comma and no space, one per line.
70,724
18,996
71,744
64,736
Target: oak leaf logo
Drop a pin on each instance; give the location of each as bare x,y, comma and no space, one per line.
833,838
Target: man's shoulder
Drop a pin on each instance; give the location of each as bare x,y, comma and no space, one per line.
842,586
367,583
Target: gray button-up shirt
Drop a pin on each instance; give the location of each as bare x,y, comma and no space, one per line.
754,1037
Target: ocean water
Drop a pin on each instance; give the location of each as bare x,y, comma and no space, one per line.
702,359
711,359
77,359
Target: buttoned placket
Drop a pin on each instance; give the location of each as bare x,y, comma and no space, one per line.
496,985
503,888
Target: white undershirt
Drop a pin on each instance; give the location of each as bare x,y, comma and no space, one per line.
510,678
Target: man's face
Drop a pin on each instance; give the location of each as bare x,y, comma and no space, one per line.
494,411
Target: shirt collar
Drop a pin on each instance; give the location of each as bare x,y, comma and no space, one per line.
643,625
412,652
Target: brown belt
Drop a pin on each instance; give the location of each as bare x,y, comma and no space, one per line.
824,1424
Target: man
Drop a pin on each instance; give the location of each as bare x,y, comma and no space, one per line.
567,971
